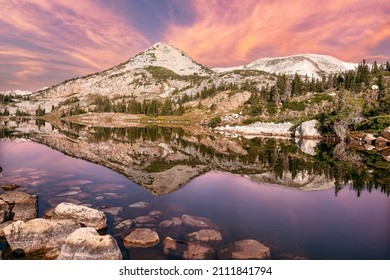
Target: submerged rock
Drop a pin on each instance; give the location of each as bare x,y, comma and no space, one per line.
187,250
155,213
126,224
198,222
87,244
4,211
38,234
205,235
81,214
176,221
140,204
308,130
24,205
166,223
142,238
145,220
250,249
9,187
113,210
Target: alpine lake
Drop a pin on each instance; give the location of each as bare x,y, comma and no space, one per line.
302,200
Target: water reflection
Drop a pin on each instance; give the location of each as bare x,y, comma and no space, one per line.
162,159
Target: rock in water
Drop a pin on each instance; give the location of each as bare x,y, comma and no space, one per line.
87,244
250,249
308,130
9,187
187,250
4,208
38,234
81,214
205,235
142,238
198,222
25,205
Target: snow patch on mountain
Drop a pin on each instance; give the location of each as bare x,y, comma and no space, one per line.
312,65
167,56
15,93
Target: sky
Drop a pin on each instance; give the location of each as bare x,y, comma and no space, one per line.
44,42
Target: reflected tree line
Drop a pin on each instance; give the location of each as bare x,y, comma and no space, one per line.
262,155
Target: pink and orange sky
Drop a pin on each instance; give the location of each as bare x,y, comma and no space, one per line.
43,42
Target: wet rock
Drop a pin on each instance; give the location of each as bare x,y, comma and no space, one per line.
9,187
155,213
205,235
81,214
87,244
145,220
142,238
187,250
166,223
308,130
2,226
197,222
38,234
4,211
140,205
126,224
25,205
113,210
176,221
250,249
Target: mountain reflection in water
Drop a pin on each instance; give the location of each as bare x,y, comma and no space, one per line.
300,217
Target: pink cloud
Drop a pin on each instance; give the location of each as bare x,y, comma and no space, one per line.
71,37
235,32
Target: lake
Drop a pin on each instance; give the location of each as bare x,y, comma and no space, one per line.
326,205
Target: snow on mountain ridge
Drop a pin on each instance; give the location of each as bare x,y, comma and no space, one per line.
15,93
312,65
164,55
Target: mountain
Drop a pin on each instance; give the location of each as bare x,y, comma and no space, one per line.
169,57
312,65
16,93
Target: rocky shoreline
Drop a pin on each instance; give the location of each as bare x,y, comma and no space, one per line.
76,232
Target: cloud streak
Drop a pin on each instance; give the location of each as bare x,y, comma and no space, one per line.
71,38
227,33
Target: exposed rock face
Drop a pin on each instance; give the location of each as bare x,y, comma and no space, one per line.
87,244
197,222
308,130
81,214
250,249
24,205
142,237
187,250
205,235
4,208
38,234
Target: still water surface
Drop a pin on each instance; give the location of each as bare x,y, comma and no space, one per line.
293,223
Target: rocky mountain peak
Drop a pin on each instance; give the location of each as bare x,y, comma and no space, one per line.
165,55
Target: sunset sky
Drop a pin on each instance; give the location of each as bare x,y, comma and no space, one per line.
43,42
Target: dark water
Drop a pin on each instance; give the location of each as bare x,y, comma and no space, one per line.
292,221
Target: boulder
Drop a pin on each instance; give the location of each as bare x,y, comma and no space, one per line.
197,222
386,133
250,249
38,234
187,250
9,187
308,130
205,235
166,223
142,238
385,154
381,143
83,215
370,139
4,211
24,205
145,220
87,244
